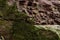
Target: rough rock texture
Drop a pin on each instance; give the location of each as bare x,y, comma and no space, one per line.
42,11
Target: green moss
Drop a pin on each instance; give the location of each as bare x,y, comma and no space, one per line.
2,5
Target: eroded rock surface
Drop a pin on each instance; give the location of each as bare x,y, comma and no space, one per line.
43,11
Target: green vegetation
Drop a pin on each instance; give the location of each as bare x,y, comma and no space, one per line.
2,4
22,27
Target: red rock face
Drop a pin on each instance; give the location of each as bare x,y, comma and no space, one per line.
42,11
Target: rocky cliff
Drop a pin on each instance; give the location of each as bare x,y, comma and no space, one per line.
42,11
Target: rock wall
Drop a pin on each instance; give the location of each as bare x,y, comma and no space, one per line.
42,11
